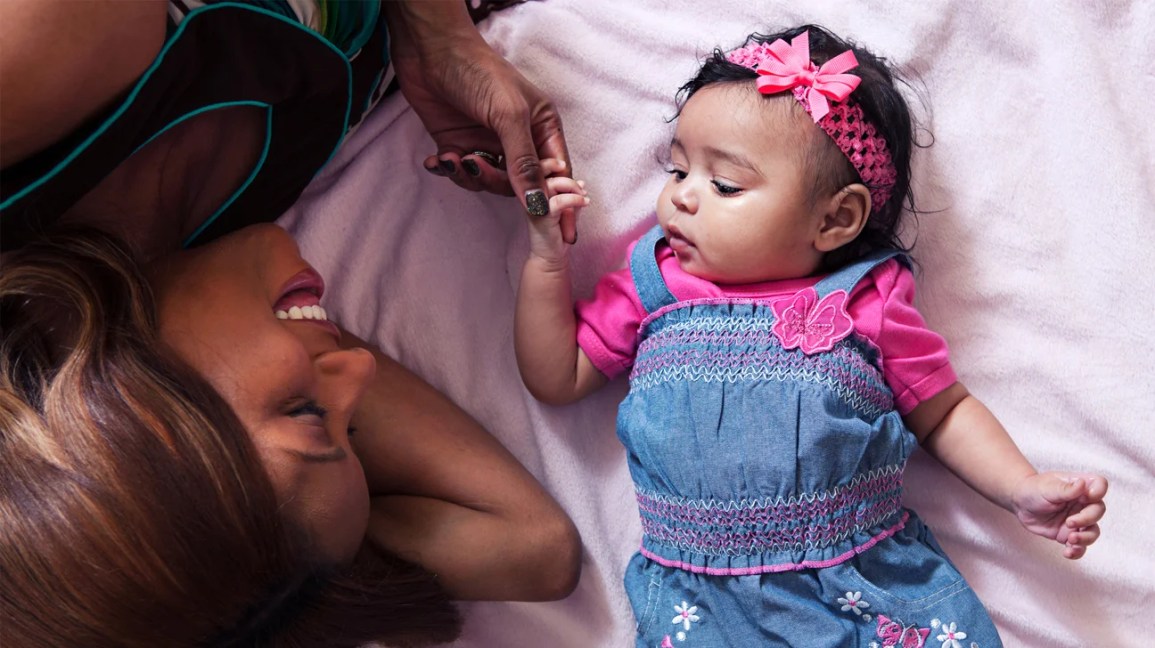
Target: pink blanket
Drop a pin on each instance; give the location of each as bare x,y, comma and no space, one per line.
1036,254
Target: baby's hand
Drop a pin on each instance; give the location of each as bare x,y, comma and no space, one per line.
564,194
1065,507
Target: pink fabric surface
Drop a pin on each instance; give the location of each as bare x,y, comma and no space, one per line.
916,363
1035,251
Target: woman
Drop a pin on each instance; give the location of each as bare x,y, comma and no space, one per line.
192,453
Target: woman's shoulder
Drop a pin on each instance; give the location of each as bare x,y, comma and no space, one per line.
291,60
345,25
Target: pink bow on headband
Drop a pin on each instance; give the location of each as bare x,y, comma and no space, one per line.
789,66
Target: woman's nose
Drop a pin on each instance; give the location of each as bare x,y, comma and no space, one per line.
344,375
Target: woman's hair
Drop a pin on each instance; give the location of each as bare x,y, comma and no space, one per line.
882,105
134,510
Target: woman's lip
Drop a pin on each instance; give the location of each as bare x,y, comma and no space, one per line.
328,325
307,279
322,320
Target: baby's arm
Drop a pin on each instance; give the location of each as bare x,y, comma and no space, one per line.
553,367
961,432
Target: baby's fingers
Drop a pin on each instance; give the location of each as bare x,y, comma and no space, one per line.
1089,515
1062,487
1078,541
563,201
556,169
1073,552
553,166
562,184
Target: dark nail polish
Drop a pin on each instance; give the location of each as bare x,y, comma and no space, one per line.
448,166
435,170
536,204
471,167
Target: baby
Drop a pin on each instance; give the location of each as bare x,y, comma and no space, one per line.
780,375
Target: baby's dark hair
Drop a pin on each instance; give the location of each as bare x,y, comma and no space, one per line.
882,105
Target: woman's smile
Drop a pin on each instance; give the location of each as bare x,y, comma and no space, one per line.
300,300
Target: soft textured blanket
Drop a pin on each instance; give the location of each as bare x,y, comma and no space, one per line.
1035,251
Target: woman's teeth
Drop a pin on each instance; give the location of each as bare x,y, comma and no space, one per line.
302,313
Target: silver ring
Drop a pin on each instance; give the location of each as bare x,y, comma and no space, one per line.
493,160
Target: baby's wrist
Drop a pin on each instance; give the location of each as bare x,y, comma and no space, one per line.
549,259
1020,490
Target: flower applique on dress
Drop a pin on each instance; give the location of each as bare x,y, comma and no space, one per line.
814,325
686,616
894,633
852,602
950,635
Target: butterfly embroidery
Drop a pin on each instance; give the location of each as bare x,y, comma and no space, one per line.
894,633
805,321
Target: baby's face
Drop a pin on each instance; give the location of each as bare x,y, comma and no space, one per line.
738,205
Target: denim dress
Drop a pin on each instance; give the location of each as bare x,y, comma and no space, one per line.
767,458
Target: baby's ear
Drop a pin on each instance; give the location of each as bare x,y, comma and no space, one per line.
844,217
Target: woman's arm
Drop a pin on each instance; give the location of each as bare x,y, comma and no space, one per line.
449,497
471,99
957,429
62,61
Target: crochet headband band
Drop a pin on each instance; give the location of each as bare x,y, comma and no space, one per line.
823,92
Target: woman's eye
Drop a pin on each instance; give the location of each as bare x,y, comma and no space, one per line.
725,189
309,408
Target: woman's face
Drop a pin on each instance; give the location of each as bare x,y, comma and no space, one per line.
243,311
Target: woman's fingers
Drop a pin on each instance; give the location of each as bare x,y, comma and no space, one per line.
470,171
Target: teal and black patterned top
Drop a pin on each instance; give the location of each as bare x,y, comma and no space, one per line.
315,67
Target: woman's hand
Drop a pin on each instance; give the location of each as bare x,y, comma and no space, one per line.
1065,507
471,99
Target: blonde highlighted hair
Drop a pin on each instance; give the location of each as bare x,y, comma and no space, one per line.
134,510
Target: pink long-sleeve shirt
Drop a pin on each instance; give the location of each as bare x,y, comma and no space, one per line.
915,359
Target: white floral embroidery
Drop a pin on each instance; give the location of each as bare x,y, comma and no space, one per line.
950,636
686,615
853,601
935,623
873,644
681,636
866,617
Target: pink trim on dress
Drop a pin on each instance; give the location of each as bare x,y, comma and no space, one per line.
781,567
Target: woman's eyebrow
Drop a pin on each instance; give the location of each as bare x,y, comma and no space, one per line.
336,453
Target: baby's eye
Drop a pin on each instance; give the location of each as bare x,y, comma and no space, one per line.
679,175
725,189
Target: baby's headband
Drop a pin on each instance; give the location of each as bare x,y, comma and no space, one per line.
788,67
